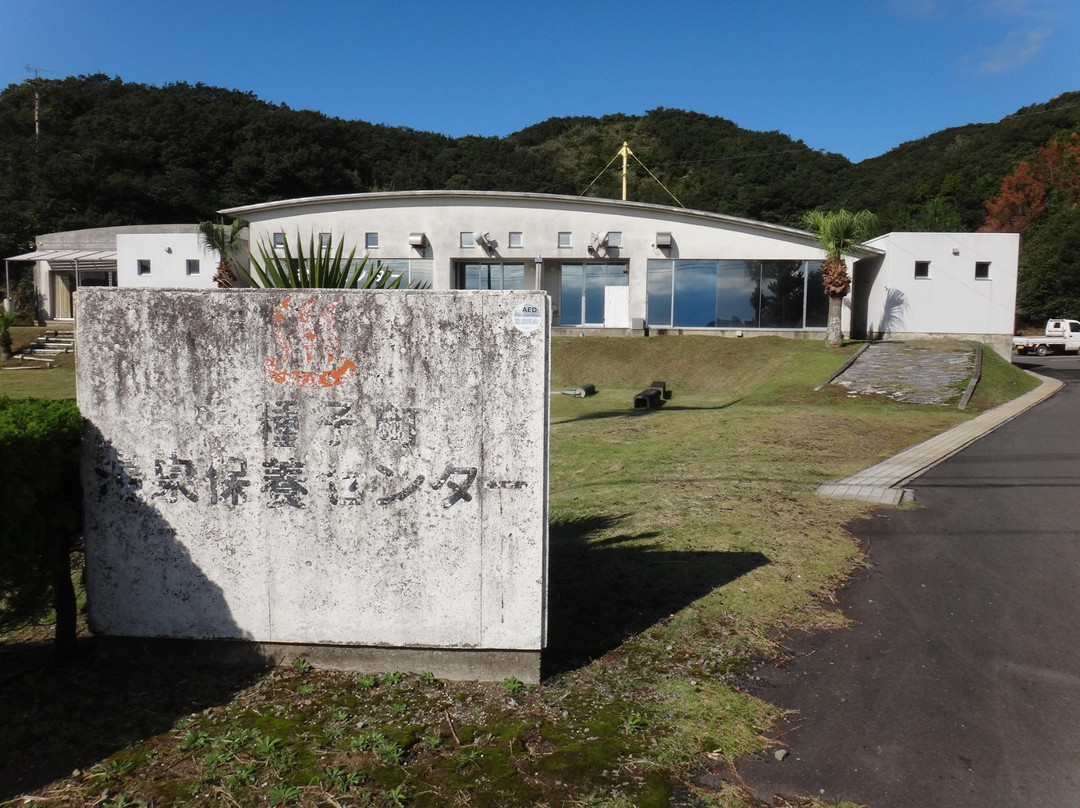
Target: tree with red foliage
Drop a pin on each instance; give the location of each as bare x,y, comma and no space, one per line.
1016,207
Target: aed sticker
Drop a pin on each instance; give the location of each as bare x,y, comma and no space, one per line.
527,317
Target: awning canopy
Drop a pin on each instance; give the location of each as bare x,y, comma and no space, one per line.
65,259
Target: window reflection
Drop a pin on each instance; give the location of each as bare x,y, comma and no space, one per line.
684,293
491,276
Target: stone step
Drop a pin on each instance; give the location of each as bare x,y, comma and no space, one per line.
29,357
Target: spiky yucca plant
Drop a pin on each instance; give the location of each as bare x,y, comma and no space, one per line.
316,268
838,232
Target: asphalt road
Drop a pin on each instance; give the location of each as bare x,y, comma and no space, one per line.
960,683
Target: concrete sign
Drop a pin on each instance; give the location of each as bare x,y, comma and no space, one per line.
317,467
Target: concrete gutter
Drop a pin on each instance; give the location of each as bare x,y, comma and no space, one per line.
884,482
844,367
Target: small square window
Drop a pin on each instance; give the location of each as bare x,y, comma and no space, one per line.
514,239
142,266
922,269
324,241
466,239
614,238
982,270
193,266
371,240
564,239
279,241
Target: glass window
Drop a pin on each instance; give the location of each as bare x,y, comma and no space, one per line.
982,270
570,294
735,294
324,241
279,241
491,276
817,302
658,278
564,239
922,269
738,286
371,240
193,266
466,239
421,273
142,266
695,294
514,239
780,294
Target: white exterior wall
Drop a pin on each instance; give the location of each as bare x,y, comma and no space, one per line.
951,302
168,254
443,216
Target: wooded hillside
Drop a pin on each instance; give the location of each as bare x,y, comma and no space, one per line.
115,153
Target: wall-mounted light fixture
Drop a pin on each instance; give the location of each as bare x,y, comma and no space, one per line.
485,241
417,240
168,249
663,240
955,250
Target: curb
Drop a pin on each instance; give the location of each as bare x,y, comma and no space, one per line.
883,483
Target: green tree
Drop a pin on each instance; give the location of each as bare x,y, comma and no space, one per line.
838,232
227,243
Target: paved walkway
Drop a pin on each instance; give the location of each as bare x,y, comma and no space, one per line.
884,482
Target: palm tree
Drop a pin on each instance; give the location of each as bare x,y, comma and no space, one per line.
838,232
226,242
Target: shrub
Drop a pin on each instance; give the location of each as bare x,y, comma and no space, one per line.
40,512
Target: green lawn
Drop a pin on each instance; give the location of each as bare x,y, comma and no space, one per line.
55,382
684,543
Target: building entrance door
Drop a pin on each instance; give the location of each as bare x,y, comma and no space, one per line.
582,292
63,285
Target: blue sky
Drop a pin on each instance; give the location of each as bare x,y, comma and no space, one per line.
856,77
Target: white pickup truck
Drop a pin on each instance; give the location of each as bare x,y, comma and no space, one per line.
1061,335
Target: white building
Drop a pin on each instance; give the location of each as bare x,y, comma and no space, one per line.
160,255
623,267
609,266
930,284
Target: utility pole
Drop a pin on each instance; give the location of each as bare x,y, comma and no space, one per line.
37,101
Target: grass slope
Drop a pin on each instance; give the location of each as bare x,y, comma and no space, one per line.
55,382
684,542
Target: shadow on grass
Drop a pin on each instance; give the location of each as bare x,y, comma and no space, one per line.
62,717
58,717
602,591
631,412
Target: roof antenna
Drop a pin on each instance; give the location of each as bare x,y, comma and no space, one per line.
625,152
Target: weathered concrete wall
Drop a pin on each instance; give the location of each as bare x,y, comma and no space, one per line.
363,468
